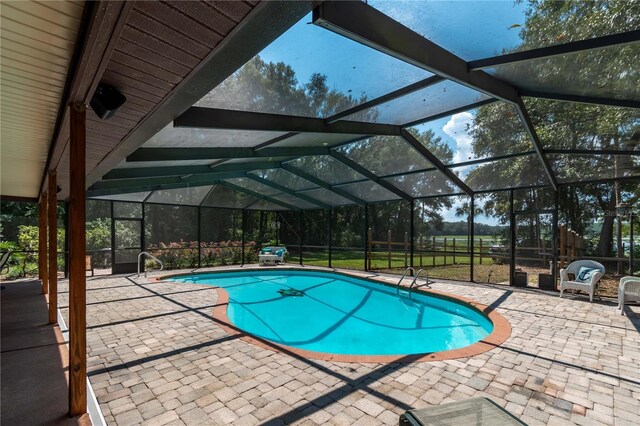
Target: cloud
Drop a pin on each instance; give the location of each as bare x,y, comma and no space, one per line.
458,129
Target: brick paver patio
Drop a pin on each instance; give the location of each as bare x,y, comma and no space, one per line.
157,356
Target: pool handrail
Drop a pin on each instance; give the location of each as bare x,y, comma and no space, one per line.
144,253
415,279
413,271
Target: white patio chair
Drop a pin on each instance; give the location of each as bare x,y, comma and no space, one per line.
574,268
628,291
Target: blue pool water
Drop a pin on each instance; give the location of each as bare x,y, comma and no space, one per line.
344,315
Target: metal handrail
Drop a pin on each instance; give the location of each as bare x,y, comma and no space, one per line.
415,279
144,253
402,278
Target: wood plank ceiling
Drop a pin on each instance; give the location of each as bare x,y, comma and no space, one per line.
38,40
153,47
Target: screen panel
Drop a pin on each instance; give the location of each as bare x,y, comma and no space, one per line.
192,196
476,30
327,169
421,105
385,155
369,191
309,71
424,184
609,73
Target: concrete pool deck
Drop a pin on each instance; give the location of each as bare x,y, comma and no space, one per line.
157,355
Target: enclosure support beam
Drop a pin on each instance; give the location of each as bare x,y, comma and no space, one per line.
77,279
199,237
422,84
528,124
366,236
52,206
512,241
366,173
472,235
150,172
373,29
287,190
258,195
214,118
628,103
554,258
558,49
244,226
631,244
216,153
301,234
330,230
411,231
143,241
415,143
42,242
113,236
157,183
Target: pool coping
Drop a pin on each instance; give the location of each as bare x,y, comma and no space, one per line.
501,327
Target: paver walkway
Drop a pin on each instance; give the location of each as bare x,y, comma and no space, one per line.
157,356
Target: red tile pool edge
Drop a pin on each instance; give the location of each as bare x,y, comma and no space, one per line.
501,332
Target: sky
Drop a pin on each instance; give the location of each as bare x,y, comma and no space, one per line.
470,29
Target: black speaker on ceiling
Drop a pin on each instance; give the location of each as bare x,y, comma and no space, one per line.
106,101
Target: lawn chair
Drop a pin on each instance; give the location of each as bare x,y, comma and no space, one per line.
628,291
586,273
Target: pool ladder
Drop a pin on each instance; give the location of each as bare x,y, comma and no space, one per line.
144,253
414,283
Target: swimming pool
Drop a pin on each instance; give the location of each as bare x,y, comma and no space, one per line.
338,314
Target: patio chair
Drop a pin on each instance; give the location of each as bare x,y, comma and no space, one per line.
272,255
628,291
586,273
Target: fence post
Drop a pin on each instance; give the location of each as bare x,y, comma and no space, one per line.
445,251
480,247
433,250
389,247
454,251
563,243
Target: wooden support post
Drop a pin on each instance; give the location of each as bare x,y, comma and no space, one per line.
77,279
389,248
42,243
52,206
